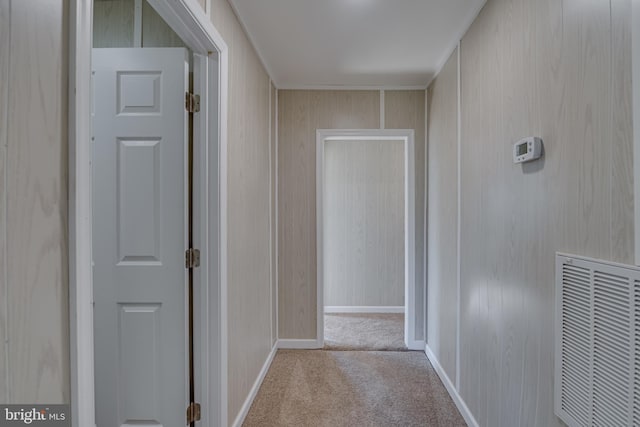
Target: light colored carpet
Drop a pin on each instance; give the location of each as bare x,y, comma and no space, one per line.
318,388
364,331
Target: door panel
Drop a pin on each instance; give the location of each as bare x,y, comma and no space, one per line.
138,193
139,235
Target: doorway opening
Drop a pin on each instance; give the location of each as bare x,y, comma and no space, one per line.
365,233
140,182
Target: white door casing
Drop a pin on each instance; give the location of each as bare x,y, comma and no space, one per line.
406,135
139,236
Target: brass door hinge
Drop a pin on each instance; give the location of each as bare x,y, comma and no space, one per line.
192,258
192,102
193,412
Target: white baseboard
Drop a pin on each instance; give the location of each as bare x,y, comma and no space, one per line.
457,399
254,390
363,309
299,344
415,345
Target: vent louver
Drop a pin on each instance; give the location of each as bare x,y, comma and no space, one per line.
636,358
597,362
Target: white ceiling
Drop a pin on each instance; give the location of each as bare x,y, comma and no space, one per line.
355,43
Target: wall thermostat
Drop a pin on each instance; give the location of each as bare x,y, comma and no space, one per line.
527,149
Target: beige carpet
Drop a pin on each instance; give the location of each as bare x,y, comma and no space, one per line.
364,331
352,388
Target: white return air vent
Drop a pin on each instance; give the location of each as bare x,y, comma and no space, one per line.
597,363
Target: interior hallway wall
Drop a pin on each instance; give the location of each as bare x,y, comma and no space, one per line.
34,320
405,109
442,232
5,30
560,70
249,241
300,113
363,223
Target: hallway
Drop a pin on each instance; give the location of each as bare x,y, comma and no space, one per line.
364,375
485,262
352,388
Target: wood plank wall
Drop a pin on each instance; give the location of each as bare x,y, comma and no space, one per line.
113,26
33,202
113,23
249,175
405,109
442,234
560,70
155,31
5,30
301,112
621,100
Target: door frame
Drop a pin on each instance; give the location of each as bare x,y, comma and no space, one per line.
189,21
406,135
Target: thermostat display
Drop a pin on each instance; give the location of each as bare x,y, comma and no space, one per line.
527,149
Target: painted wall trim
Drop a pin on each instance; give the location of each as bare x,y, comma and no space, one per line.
300,344
363,309
459,218
408,135
271,207
80,271
196,29
425,213
457,399
417,345
382,110
635,77
277,284
244,410
222,230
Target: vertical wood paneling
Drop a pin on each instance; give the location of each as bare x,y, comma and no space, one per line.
559,70
442,233
5,7
300,113
622,209
113,23
404,109
587,49
113,26
155,31
249,296
364,223
37,203
474,333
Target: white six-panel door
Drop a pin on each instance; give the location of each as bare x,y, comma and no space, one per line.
139,237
